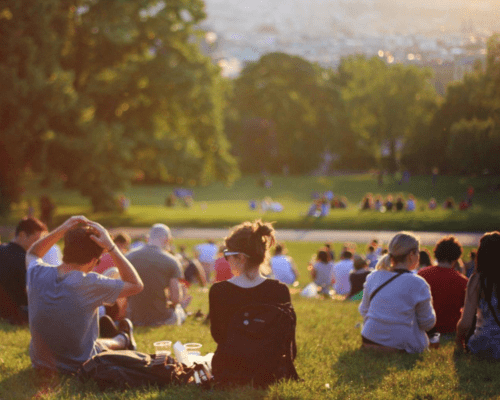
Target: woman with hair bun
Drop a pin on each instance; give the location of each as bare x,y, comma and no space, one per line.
397,305
483,295
247,250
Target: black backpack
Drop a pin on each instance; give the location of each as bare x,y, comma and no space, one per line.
260,347
122,369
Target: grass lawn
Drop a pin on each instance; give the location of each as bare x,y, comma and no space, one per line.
220,206
329,360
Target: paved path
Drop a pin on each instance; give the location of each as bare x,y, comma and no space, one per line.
426,238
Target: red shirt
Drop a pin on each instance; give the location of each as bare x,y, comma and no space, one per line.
448,295
222,270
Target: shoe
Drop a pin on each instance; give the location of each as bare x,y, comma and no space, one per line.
107,328
125,326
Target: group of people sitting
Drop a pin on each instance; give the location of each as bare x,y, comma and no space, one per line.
323,203
401,309
389,204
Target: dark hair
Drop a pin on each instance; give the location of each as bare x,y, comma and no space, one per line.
473,254
252,238
346,254
279,249
122,238
425,258
487,264
448,249
79,248
30,225
323,256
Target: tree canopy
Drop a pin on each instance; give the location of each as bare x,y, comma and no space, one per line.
101,91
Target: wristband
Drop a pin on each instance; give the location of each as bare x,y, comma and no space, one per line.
112,248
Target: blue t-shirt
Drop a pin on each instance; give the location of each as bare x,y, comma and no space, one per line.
63,314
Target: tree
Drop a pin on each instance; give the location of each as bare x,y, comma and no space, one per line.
385,104
283,112
132,95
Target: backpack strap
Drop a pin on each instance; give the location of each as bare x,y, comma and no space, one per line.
398,274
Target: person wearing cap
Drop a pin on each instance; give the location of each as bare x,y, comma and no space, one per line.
160,271
357,276
63,300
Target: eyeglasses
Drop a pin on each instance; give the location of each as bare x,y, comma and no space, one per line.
233,253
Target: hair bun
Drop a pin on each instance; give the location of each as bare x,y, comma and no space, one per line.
263,229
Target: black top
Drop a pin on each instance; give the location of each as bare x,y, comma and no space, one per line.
357,281
13,272
225,298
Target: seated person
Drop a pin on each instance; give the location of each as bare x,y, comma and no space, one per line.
322,272
411,203
222,267
247,248
397,305
13,296
283,267
64,299
447,285
160,271
357,277
341,272
482,298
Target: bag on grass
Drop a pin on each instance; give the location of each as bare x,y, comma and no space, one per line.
121,369
260,347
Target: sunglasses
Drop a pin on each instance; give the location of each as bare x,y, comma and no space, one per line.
233,253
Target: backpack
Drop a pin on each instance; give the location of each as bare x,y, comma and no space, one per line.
260,347
121,369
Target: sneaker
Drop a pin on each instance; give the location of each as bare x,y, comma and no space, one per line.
125,326
107,328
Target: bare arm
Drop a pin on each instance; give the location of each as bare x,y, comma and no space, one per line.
131,279
42,246
470,309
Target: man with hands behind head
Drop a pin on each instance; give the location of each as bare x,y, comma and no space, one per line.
63,300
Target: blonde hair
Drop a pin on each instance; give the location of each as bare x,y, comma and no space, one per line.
400,246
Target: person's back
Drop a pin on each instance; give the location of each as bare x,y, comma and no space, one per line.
156,269
341,272
282,269
323,275
82,294
447,285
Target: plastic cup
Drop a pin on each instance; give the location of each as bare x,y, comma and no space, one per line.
163,349
193,349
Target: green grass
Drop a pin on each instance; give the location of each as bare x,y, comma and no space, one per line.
220,206
328,353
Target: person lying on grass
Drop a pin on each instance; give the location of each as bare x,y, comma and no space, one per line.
397,305
63,300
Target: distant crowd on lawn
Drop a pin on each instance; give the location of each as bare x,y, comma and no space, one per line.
88,297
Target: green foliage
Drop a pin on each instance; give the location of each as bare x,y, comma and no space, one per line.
385,104
102,91
283,112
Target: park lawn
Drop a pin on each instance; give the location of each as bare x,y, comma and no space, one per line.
218,205
328,339
329,361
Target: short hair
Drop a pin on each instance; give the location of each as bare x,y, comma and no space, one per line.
323,256
122,238
359,262
425,259
159,231
448,249
30,225
279,249
79,248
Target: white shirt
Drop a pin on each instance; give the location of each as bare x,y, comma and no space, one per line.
207,252
341,272
282,269
400,313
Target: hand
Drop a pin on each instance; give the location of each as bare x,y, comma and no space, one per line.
70,223
100,235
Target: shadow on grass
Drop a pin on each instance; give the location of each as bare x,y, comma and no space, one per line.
367,368
477,377
7,327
